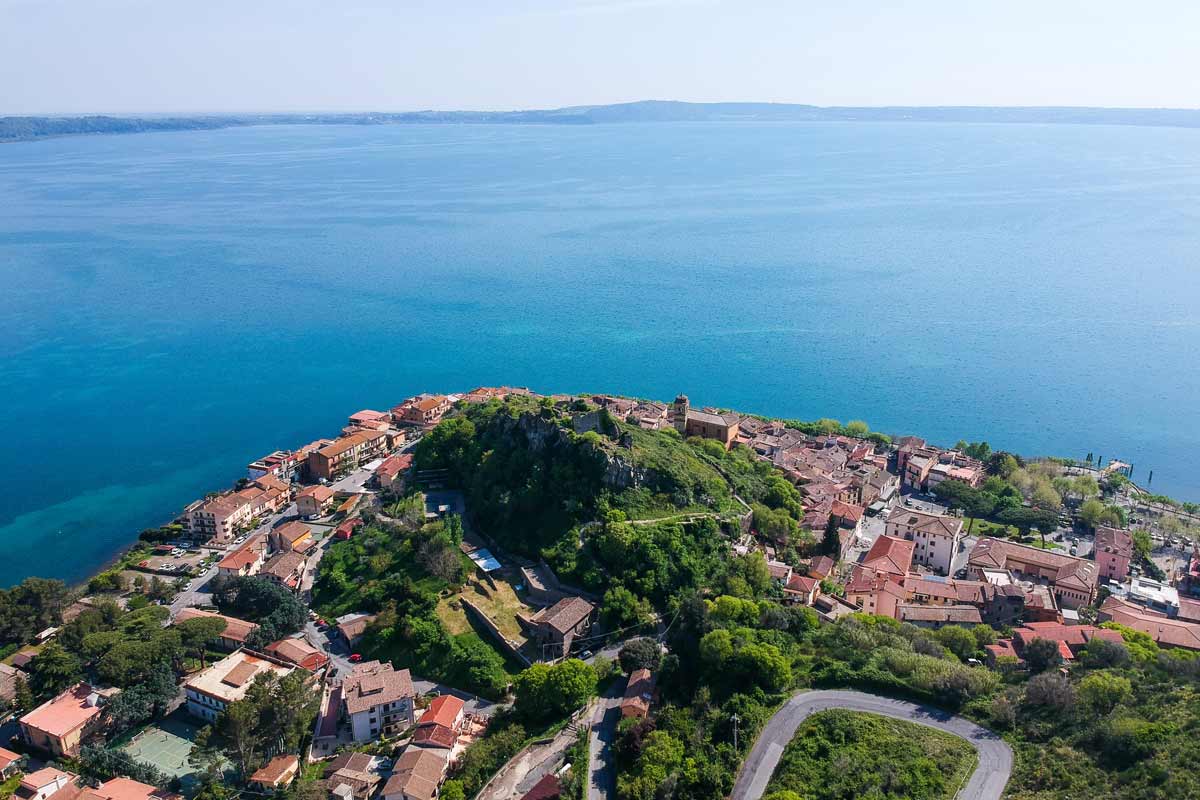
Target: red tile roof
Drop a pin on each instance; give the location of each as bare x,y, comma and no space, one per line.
548,788
435,736
1163,629
1069,637
277,769
235,629
891,555
64,713
444,710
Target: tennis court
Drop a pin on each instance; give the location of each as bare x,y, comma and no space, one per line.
165,744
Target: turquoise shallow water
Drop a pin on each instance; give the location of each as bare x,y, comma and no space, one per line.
176,304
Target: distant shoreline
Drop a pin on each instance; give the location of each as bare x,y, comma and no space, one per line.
35,127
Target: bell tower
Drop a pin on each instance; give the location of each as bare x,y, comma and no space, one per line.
681,412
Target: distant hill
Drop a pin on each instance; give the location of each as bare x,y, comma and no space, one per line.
24,128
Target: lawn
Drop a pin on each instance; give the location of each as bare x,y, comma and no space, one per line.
500,604
985,528
839,754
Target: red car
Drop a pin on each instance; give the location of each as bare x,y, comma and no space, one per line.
355,658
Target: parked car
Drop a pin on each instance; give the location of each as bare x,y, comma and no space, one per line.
355,658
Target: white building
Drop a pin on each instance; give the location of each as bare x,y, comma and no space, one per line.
227,681
378,700
935,537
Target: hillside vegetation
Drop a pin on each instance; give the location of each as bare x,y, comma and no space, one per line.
842,754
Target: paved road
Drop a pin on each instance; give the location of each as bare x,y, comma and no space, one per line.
602,774
986,783
197,593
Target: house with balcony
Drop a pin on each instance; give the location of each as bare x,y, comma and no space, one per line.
378,700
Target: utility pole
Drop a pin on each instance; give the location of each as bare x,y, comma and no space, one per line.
736,719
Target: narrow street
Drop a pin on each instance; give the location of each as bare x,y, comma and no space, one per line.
602,774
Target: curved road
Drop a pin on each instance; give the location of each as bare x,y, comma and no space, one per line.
986,783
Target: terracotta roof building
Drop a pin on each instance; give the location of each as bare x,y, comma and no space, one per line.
10,763
346,453
1073,579
352,627
296,650
236,630
391,472
209,692
439,726
874,592
313,501
352,776
935,537
639,693
246,560
1113,553
285,569
9,677
277,773
417,775
1069,638
120,788
801,589
556,627
292,535
889,555
424,411
48,782
60,725
939,616
1166,631
548,788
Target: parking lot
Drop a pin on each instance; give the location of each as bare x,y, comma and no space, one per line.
174,565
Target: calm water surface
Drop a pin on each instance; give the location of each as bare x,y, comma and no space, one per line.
177,304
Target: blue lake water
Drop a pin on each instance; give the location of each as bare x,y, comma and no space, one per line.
177,304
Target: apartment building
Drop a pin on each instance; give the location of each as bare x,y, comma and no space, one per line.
346,453
935,537
220,518
63,723
1113,553
210,691
378,700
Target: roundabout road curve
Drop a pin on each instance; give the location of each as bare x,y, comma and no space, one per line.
987,781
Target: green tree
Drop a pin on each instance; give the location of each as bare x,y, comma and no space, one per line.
22,696
54,669
765,665
958,640
827,426
642,653
857,428
1104,691
1085,486
197,633
1042,654
1045,497
1002,464
98,763
548,692
1091,512
621,608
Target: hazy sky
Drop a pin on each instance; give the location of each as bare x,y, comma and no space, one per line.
218,55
